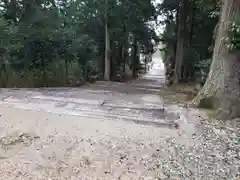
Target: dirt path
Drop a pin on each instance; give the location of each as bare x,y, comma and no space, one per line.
109,131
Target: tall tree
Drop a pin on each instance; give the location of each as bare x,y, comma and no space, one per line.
181,37
107,68
222,88
201,19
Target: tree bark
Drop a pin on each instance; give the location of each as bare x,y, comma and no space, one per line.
107,69
125,34
113,59
101,63
66,69
180,40
192,23
222,87
124,60
134,56
176,31
120,58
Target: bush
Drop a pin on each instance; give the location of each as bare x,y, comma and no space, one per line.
203,68
11,78
57,74
54,75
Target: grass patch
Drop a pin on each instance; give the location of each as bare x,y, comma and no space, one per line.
182,93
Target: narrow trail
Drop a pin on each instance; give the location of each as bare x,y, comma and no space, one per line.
106,131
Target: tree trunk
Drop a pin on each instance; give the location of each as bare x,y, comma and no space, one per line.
124,46
176,31
45,83
180,40
120,58
113,65
186,69
134,56
222,88
124,59
101,63
107,69
66,70
192,23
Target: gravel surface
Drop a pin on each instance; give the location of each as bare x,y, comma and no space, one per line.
40,140
211,154
42,146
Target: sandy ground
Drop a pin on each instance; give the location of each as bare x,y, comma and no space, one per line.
110,131
41,145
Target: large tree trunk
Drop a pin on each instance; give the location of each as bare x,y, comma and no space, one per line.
222,88
180,40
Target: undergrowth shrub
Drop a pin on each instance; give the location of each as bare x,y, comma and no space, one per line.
54,75
203,68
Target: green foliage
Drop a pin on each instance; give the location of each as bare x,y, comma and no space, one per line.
55,75
41,40
202,18
233,43
9,37
190,60
203,68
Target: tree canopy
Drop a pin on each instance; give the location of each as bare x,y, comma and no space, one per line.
42,34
